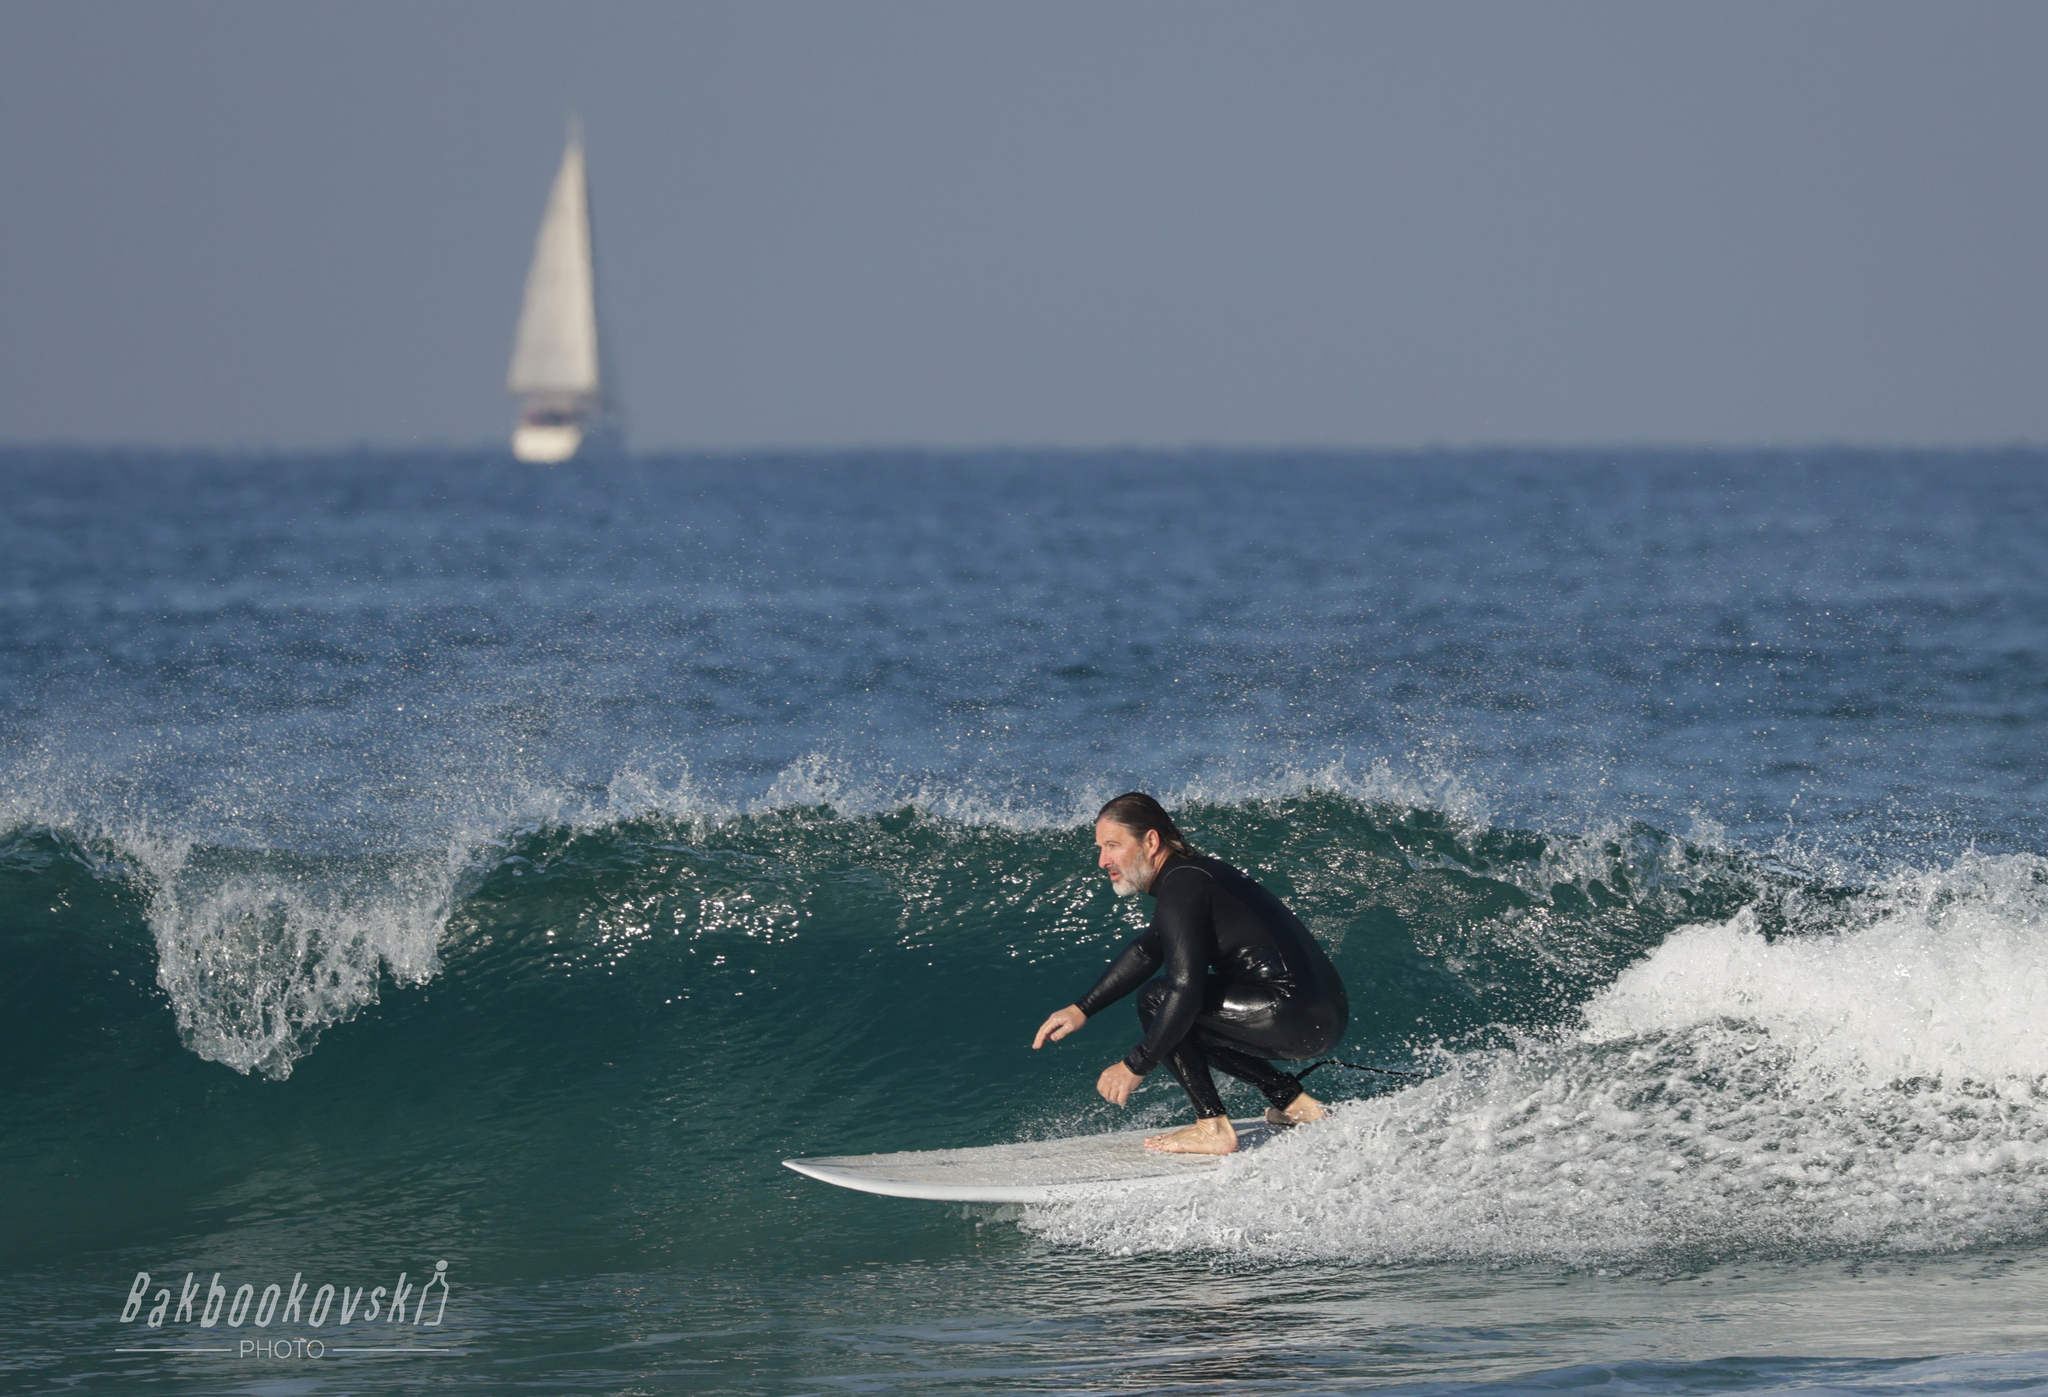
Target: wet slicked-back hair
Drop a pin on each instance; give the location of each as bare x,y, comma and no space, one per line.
1138,812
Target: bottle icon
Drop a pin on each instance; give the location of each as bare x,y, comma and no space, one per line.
440,1278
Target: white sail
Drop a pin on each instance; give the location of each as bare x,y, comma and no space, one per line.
554,357
556,351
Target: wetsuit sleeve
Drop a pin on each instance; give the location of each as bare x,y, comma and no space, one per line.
1128,971
1185,928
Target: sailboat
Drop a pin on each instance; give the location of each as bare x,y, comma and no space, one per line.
563,407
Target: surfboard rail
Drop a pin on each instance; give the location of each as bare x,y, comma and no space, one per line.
1027,1171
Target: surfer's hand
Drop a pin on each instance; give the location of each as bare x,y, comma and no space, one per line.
1062,1022
1116,1083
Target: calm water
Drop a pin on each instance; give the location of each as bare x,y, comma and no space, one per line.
422,859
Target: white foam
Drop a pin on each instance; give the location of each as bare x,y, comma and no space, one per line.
258,951
1885,1088
1951,982
257,964
1416,785
860,789
819,779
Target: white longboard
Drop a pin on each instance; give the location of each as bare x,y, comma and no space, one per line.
1032,1171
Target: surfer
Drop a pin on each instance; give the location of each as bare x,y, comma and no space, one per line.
1240,980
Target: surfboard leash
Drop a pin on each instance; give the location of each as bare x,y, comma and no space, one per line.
1357,1067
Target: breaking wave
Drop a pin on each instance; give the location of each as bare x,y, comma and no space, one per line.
1643,1045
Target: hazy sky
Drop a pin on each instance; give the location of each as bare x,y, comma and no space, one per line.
1105,222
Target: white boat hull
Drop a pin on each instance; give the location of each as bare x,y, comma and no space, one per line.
545,445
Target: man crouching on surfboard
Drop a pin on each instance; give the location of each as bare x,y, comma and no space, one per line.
1240,980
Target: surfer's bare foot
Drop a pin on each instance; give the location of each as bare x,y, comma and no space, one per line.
1300,1111
1211,1135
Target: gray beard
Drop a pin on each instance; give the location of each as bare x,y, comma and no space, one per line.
1123,887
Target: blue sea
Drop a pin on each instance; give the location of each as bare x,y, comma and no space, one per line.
435,895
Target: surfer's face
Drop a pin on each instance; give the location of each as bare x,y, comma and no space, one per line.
1129,858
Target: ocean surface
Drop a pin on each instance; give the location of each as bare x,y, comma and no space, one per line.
422,859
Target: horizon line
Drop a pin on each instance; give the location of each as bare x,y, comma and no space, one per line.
498,448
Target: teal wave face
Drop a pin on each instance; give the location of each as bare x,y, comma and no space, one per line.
662,1008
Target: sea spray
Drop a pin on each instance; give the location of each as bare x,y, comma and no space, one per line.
1883,1087
258,963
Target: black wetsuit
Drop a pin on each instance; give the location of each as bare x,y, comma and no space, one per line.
1241,980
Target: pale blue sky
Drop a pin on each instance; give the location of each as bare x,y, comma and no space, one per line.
1036,223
